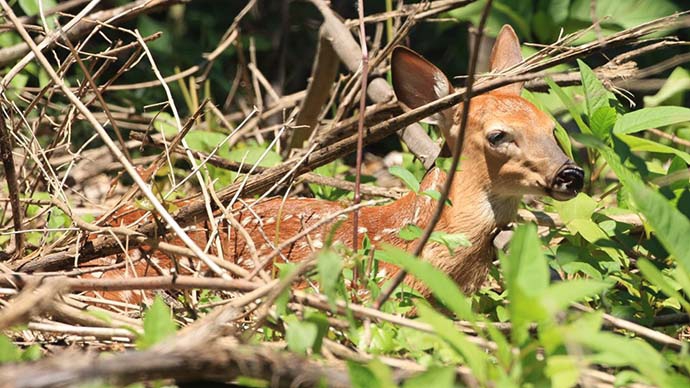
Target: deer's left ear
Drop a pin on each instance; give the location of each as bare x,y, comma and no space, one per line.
505,54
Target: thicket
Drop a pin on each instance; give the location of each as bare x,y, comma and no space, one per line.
590,292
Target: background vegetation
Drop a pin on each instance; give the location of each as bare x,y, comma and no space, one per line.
591,292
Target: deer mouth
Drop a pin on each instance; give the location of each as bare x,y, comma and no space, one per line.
567,182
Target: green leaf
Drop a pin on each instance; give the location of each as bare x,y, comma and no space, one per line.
640,144
602,121
410,232
9,352
164,123
655,117
476,358
563,371
672,92
406,177
527,278
252,154
31,7
330,266
655,277
569,104
300,336
158,324
443,288
441,377
562,294
374,375
671,226
452,241
596,95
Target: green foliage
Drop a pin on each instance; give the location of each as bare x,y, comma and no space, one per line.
158,324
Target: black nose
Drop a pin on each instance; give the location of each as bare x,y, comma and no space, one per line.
569,178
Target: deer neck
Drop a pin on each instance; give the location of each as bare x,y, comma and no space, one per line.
476,209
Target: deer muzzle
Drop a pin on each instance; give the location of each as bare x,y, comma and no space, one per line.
567,182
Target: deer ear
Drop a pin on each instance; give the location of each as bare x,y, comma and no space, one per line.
417,81
505,54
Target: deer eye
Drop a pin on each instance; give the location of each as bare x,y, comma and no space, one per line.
497,137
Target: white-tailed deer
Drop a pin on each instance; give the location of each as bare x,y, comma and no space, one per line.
509,151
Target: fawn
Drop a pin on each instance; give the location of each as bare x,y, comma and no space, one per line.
509,151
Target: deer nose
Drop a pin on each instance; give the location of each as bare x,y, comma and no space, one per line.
569,179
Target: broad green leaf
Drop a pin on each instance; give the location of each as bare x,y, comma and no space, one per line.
569,104
671,226
361,376
164,123
580,207
452,241
406,177
300,336
596,94
330,266
158,324
373,375
410,232
255,154
561,295
525,267
624,14
655,117
443,288
527,278
602,121
31,7
640,144
559,132
441,377
9,352
476,358
672,92
563,371
655,277
284,270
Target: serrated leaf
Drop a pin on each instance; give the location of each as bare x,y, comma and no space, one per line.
158,324
602,121
655,117
596,95
452,241
410,232
406,177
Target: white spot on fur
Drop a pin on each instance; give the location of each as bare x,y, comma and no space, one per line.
270,220
362,229
318,244
377,238
390,230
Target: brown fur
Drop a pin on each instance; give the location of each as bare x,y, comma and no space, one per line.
485,195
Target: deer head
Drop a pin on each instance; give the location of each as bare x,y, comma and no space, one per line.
509,144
